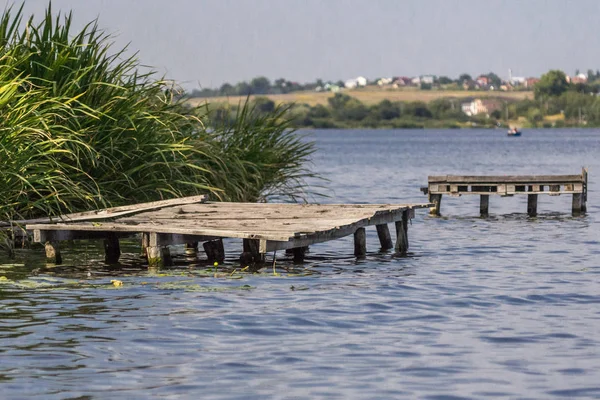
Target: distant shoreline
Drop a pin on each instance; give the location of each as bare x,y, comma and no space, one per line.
368,96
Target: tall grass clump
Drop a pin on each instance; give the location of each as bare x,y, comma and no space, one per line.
81,127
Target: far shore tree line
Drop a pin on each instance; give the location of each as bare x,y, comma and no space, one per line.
556,103
263,86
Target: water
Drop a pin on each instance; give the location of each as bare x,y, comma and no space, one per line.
501,307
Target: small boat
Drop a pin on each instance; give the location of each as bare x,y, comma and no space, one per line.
514,132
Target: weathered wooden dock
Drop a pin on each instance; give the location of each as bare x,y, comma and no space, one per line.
264,227
509,185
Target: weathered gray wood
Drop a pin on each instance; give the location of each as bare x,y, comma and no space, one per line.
436,200
112,250
112,212
360,242
215,251
494,179
272,226
385,239
577,203
266,229
484,204
532,204
402,235
53,253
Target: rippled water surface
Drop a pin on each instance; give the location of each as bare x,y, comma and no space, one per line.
500,307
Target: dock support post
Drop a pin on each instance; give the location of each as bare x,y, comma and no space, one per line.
532,204
577,203
385,239
299,253
252,252
402,234
484,205
436,199
112,250
191,249
159,256
360,242
53,253
214,249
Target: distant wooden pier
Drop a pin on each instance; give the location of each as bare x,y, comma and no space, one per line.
264,227
509,185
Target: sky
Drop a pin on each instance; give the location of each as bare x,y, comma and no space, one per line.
204,43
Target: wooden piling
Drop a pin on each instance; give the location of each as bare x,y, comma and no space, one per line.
215,251
53,253
253,251
436,199
299,253
577,203
360,242
402,234
112,249
191,248
159,256
385,239
532,204
484,205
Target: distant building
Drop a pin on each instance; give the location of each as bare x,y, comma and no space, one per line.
401,81
356,82
483,81
530,82
385,81
481,106
579,78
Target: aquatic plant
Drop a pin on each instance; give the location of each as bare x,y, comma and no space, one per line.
81,127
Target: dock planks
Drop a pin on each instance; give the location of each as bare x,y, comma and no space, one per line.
509,185
265,227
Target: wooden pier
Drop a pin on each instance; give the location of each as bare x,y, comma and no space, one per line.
509,185
264,227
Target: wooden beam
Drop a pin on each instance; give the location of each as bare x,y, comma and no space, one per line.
532,200
436,200
385,239
360,242
577,203
114,212
402,236
215,251
112,250
484,205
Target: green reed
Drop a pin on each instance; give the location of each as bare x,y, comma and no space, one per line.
81,127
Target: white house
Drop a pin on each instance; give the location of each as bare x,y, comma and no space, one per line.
356,82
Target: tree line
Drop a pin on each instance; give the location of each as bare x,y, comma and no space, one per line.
556,102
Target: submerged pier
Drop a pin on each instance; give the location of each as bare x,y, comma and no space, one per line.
263,227
509,185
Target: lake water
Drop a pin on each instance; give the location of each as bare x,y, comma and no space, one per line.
500,307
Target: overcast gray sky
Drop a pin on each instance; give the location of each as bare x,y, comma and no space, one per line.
208,42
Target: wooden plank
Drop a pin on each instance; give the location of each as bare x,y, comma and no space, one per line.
522,179
113,212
